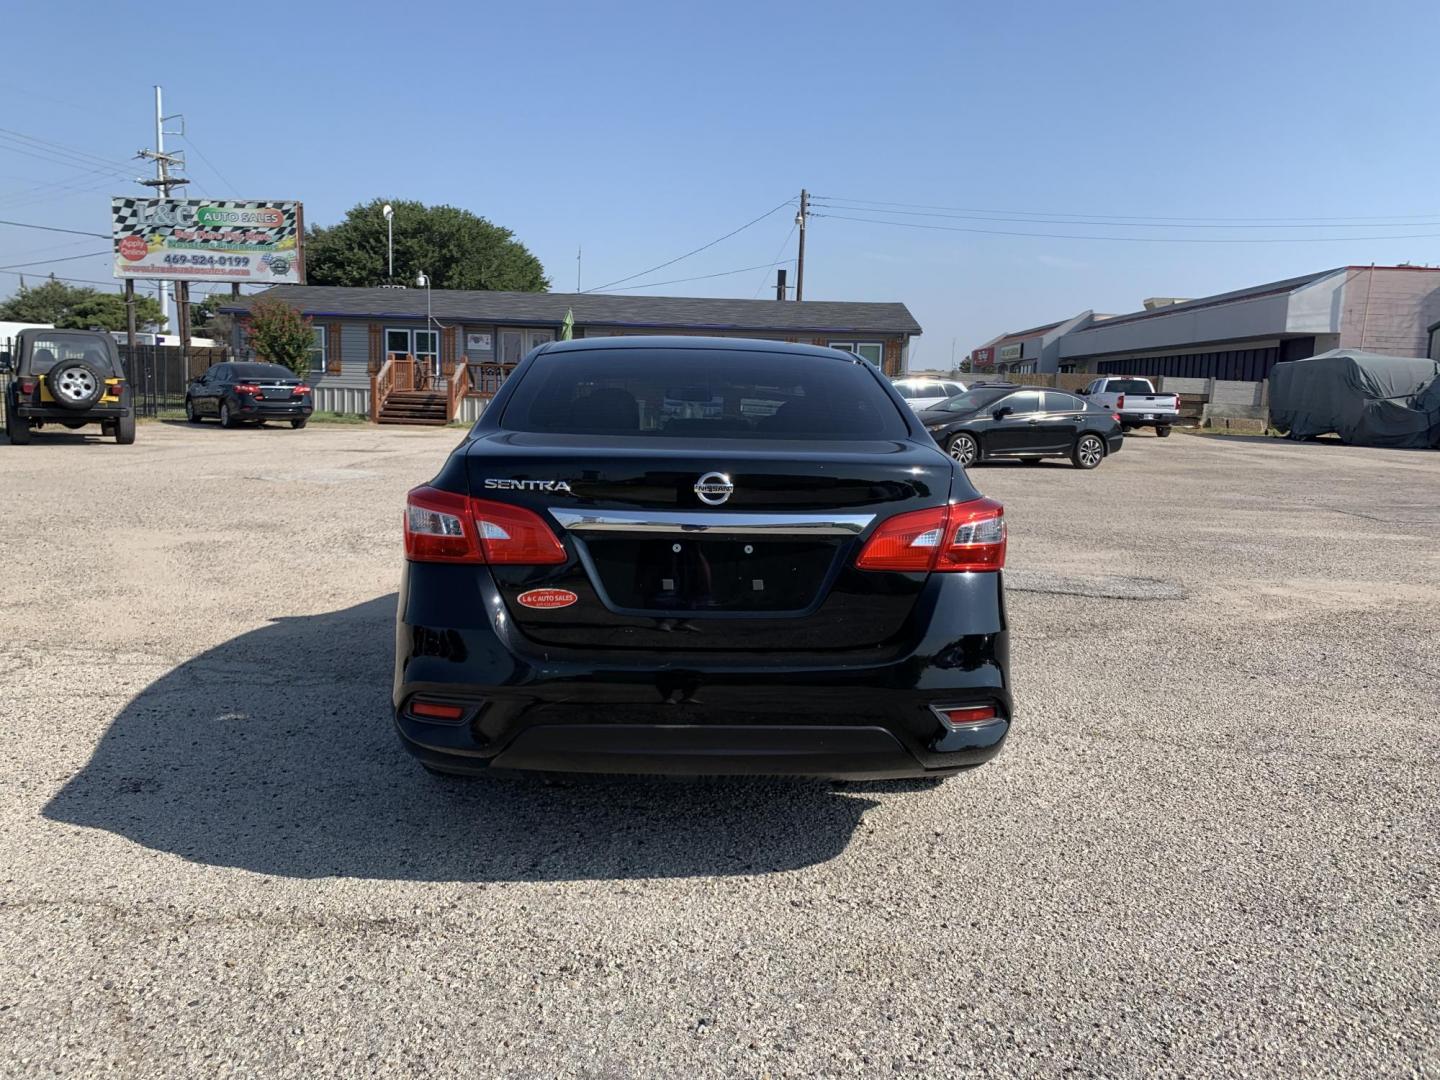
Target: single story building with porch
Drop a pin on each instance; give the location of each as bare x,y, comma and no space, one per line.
371,343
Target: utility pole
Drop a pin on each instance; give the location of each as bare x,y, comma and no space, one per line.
780,284
164,181
579,250
800,219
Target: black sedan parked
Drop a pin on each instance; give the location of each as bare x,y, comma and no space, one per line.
1006,421
692,555
240,393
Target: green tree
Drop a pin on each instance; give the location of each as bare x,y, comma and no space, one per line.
206,320
78,308
280,334
458,249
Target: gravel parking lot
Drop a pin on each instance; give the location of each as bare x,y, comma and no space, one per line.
1210,848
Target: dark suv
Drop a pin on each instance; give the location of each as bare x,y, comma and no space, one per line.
699,555
66,377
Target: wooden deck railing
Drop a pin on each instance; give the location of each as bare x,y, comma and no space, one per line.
456,389
381,383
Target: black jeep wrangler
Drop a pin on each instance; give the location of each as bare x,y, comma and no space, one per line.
66,377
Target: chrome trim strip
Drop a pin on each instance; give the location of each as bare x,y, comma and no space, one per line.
714,524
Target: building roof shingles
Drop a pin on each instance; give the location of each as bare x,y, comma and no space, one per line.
594,309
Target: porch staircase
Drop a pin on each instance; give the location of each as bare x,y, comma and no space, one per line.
415,407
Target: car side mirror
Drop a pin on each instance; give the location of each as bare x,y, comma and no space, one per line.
1003,411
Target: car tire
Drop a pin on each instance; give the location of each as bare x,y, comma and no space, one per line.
190,413
75,384
226,419
125,429
963,448
298,424
1088,451
1163,432
17,428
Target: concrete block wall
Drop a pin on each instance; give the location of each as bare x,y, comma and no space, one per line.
1387,309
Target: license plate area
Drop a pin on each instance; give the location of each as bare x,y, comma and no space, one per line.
671,574
279,393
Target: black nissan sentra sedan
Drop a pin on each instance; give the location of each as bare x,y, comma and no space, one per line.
694,555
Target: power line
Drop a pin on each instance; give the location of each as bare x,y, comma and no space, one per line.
112,284
52,228
1138,239
191,143
1127,217
19,142
701,277
46,262
1135,224
776,261
702,247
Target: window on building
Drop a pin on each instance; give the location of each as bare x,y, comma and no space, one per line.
421,344
874,351
317,350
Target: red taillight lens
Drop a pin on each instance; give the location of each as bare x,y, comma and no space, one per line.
962,537
438,528
1115,416
512,534
247,388
959,717
975,537
114,389
27,388
435,710
301,390
441,526
1120,404
905,541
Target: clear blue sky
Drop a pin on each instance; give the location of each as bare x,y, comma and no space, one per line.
644,129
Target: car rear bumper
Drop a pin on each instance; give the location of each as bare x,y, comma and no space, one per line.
847,716
93,414
1140,419
273,410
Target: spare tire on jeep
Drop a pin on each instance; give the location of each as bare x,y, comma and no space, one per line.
75,384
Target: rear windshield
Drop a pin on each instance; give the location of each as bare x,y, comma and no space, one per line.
976,398
49,349
261,371
703,393
919,390
1128,386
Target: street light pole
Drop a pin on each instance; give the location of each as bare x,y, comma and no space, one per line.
424,282
389,212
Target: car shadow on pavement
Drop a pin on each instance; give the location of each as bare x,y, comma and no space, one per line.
274,752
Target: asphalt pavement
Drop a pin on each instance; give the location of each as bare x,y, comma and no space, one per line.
1210,848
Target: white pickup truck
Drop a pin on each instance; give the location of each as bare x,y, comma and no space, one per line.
1135,402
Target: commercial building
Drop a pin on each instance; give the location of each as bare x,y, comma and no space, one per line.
357,331
1241,335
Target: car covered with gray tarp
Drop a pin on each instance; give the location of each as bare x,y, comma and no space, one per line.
1365,398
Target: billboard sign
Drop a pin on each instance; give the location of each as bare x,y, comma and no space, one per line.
1011,352
209,240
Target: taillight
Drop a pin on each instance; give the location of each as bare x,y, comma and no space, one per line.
441,526
957,538
966,715
1121,403
300,390
436,710
114,389
1115,416
27,388
247,388
438,527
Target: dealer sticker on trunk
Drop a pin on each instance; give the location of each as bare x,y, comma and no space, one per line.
545,599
